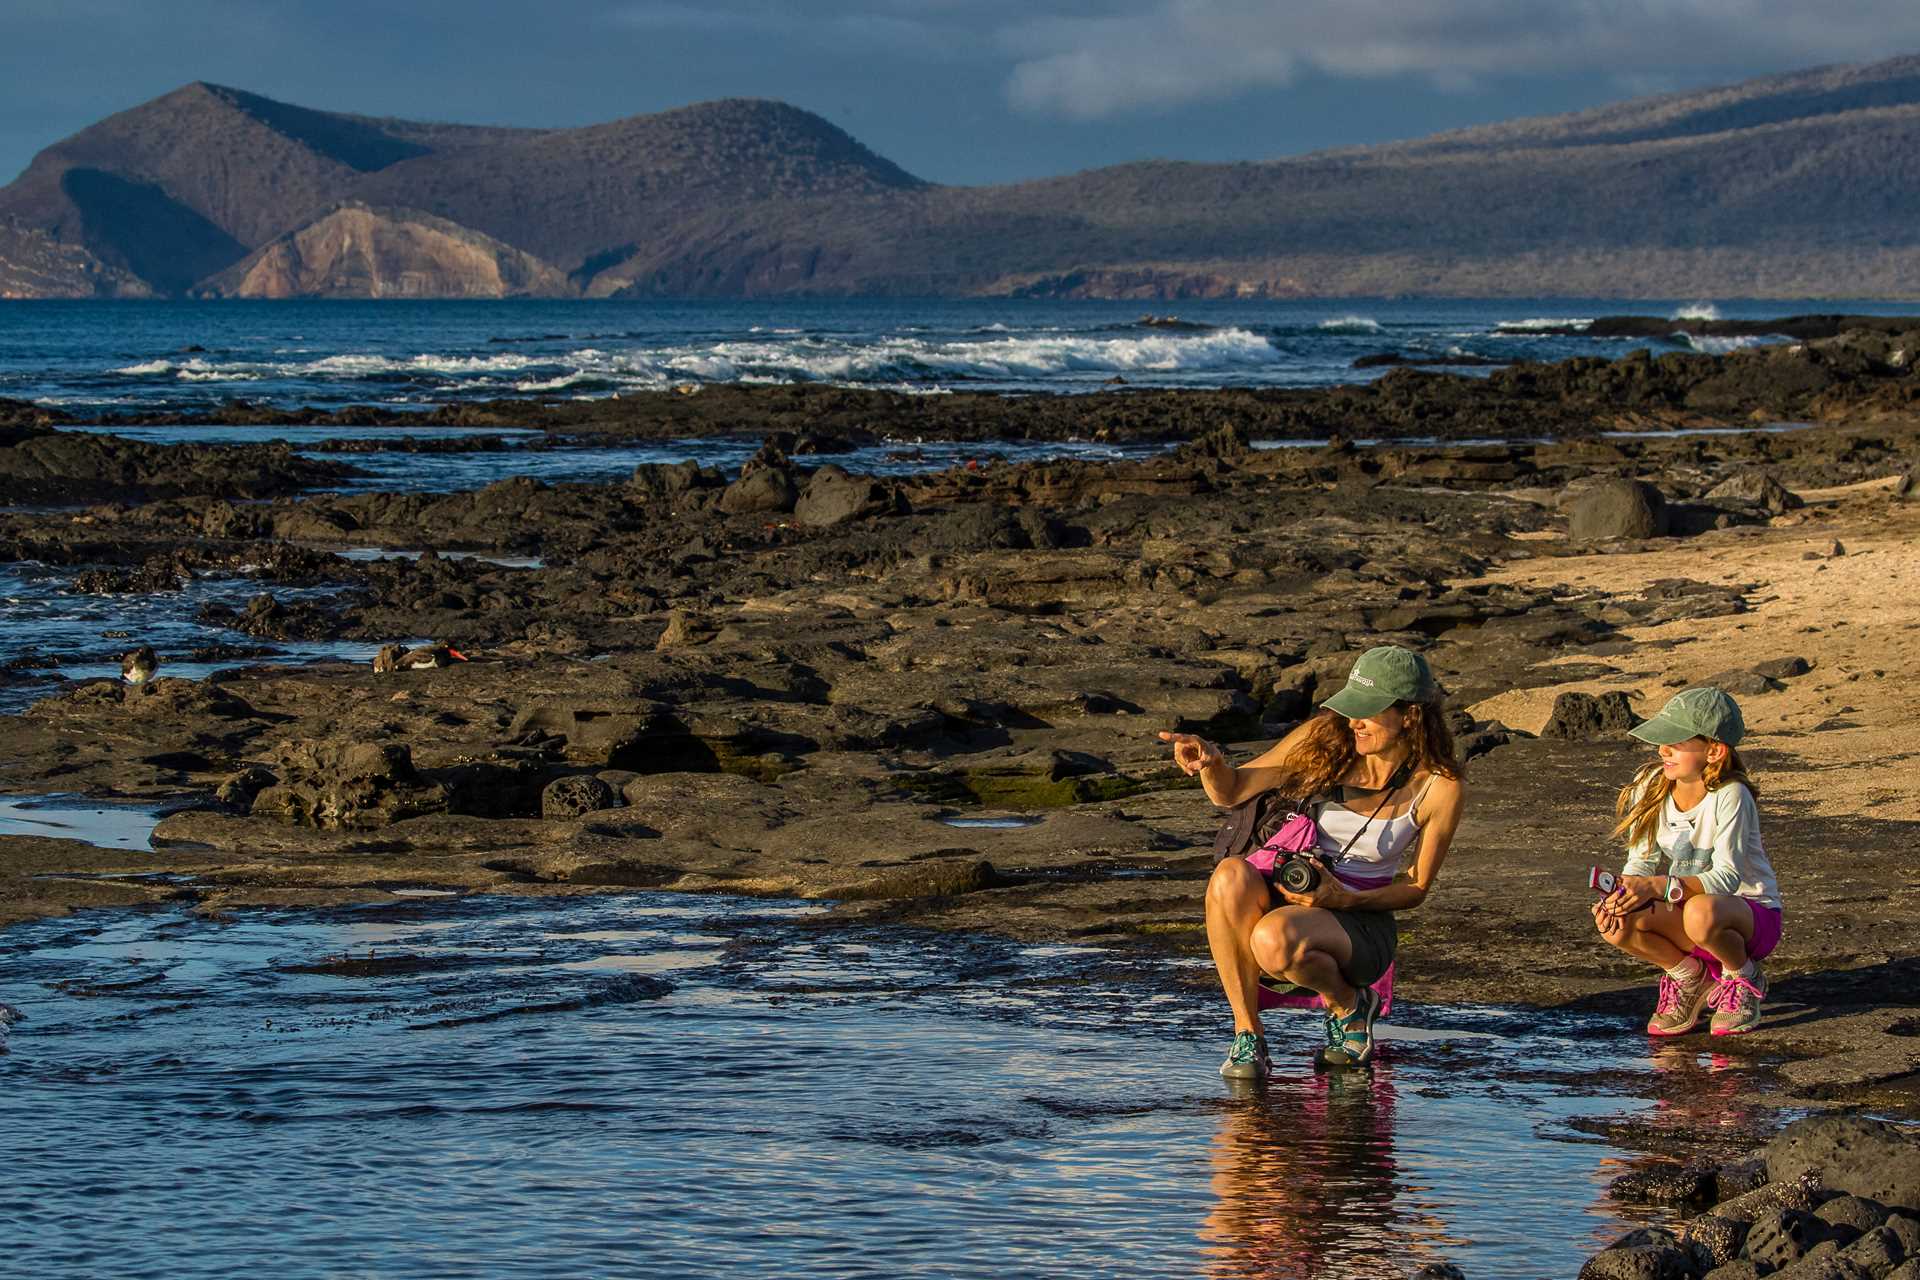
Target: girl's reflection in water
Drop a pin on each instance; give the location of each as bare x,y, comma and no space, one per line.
1306,1185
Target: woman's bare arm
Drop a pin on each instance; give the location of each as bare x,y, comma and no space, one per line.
1226,785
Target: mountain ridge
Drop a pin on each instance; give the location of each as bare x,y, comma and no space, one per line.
1799,183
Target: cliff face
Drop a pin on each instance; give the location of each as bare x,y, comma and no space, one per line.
359,252
1798,185
35,265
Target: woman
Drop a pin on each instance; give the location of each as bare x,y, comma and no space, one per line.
1379,764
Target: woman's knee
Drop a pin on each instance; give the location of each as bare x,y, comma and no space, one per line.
1235,884
1278,942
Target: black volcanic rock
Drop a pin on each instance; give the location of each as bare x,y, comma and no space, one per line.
39,464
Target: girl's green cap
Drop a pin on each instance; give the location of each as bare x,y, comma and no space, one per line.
1705,712
1380,678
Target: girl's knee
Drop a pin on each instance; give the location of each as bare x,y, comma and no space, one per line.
1708,914
1616,937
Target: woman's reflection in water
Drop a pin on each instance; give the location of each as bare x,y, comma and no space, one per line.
1306,1185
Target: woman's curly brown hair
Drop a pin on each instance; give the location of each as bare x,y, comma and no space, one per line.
1326,753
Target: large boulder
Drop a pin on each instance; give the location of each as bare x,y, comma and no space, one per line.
1617,508
1853,1155
1783,1237
1756,488
572,796
346,784
765,489
1648,1253
1585,715
834,497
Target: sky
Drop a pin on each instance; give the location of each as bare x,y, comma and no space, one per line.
954,91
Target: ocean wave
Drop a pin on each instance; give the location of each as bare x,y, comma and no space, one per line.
1712,346
1696,311
906,360
1539,324
215,375
898,360
565,380
1352,324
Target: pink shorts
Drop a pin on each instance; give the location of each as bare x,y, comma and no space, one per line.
1766,935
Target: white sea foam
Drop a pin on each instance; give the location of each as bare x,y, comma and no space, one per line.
1351,324
216,375
149,366
1721,346
1697,311
1539,323
560,383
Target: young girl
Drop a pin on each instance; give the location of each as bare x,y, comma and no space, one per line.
1715,913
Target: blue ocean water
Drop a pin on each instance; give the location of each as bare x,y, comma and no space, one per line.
120,356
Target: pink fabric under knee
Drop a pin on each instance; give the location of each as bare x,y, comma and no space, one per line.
1766,935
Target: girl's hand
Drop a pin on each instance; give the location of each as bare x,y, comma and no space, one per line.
1633,893
1611,926
1193,754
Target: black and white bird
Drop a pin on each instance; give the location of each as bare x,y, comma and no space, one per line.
138,667
397,658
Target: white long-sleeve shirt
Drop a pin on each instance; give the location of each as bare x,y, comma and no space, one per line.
1718,840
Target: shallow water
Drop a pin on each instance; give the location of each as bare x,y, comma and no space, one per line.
451,472
64,817
435,472
685,1085
85,635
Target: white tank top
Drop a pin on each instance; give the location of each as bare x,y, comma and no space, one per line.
1381,850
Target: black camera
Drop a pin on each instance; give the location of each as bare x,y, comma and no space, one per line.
1300,872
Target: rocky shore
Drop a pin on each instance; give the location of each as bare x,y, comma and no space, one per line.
1832,1198
802,681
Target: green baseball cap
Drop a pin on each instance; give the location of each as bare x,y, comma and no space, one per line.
1380,678
1705,712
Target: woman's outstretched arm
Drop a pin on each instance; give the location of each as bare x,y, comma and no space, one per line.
1226,785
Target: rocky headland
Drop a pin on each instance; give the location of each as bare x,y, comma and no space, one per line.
215,191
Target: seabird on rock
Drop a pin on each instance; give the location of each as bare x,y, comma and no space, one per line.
138,667
395,658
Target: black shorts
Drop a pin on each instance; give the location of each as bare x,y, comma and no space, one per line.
1373,935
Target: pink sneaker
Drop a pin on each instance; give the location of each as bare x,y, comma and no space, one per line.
1679,1004
1736,1002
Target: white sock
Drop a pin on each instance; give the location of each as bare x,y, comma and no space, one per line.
1687,970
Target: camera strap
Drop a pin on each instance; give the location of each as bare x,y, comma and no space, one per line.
1394,783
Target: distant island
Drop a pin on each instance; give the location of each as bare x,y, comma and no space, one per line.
1788,186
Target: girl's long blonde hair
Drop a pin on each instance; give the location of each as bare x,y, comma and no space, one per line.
1638,807
1326,753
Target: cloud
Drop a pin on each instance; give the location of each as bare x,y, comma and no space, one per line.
1148,54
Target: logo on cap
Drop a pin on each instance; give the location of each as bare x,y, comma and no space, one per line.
1357,678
